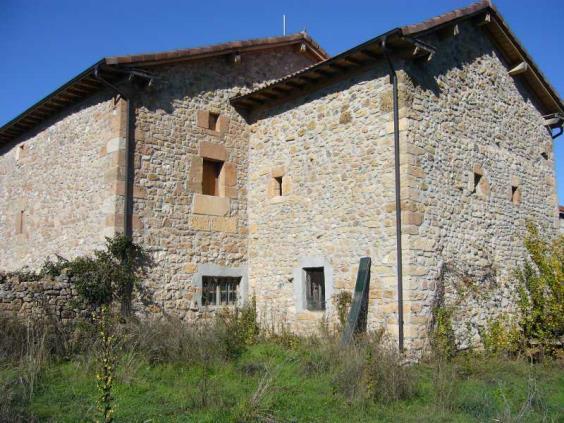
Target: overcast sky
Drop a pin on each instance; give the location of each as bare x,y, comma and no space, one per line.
44,43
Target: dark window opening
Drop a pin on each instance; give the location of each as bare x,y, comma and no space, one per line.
544,155
515,195
315,288
210,177
477,179
278,186
213,119
220,290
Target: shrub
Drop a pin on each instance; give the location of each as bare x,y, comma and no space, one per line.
106,364
110,274
343,300
371,368
541,292
442,334
502,336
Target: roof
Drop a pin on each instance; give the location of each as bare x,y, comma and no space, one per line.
406,42
114,69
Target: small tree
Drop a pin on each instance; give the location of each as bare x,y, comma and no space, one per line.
110,274
541,289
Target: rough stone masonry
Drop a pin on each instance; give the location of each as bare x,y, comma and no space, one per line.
266,169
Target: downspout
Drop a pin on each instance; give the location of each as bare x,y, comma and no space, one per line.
394,82
129,154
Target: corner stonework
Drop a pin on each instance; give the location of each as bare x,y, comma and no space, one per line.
115,176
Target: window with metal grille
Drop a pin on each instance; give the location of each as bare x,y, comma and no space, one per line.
315,288
220,290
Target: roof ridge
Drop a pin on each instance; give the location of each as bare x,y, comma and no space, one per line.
217,47
325,70
447,16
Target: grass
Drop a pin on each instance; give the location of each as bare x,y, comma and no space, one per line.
484,390
168,371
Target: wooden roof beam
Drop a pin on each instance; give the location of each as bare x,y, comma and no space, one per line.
484,19
354,61
294,84
281,89
519,69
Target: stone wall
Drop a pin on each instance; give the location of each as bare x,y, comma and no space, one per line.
57,186
189,233
478,164
24,299
333,151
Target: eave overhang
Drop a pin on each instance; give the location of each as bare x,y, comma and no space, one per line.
406,42
111,70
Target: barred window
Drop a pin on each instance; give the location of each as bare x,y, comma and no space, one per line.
315,288
220,290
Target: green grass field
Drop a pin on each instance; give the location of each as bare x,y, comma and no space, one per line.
272,383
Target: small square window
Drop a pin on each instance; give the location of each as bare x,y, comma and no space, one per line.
278,186
220,290
210,176
213,121
315,288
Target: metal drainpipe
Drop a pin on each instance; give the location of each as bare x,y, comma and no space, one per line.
394,82
129,155
129,165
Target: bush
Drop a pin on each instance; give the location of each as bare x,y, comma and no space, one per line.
502,336
110,274
442,334
541,290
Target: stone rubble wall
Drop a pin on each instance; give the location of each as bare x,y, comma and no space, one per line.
57,186
467,117
47,297
334,152
183,229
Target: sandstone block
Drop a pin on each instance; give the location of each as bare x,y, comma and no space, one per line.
223,224
201,223
212,151
190,267
211,205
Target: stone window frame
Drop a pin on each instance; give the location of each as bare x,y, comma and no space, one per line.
214,205
482,188
203,122
212,269
279,184
515,193
21,152
299,274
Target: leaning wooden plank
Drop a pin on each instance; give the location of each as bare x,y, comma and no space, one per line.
356,321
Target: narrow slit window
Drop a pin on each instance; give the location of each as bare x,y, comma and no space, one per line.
210,177
515,195
315,288
213,121
220,290
20,222
477,180
278,186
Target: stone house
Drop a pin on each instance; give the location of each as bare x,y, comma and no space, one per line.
267,168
